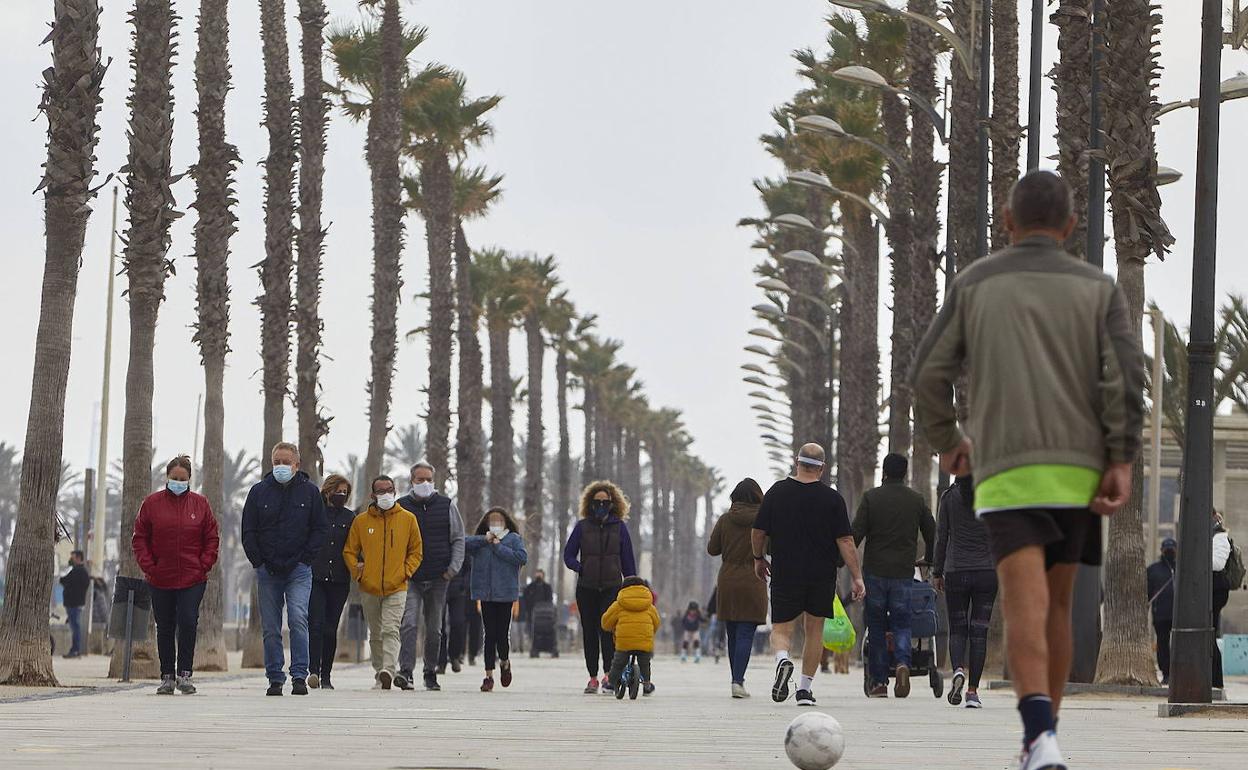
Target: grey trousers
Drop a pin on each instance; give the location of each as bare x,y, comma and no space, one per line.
426,601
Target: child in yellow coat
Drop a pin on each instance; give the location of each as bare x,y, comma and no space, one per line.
634,620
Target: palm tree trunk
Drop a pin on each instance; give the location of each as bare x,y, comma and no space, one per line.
589,470
860,350
469,436
502,439
213,229
313,120
385,134
1005,129
563,465
1131,151
436,185
1072,83
534,452
71,101
963,142
900,233
150,203
632,465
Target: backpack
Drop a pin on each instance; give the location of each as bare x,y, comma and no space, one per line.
1234,571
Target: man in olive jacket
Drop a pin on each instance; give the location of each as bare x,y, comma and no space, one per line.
890,518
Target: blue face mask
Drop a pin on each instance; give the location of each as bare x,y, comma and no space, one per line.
601,508
177,487
283,473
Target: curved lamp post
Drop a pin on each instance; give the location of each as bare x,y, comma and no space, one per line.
772,311
869,78
820,124
819,181
809,258
799,222
959,46
775,284
1232,88
766,334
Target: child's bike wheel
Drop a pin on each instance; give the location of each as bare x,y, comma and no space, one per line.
626,678
634,686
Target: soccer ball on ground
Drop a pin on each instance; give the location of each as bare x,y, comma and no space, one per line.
814,741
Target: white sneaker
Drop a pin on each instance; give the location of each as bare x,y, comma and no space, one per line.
738,691
1042,754
955,688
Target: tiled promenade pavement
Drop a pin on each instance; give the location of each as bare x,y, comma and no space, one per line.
543,722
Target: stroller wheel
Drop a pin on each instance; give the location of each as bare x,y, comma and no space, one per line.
937,681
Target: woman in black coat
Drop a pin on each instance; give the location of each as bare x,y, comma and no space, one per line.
331,584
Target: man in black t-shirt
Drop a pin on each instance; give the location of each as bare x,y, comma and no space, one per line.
808,524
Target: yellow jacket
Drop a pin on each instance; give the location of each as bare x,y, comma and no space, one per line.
383,550
633,619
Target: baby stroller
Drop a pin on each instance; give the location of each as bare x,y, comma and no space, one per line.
544,633
922,641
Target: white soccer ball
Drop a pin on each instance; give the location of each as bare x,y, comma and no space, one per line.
814,741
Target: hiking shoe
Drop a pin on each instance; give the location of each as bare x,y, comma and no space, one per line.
972,701
457,665
592,687
647,689
487,684
738,691
275,688
955,688
431,682
402,682
299,687
385,679
878,691
505,675
784,673
167,685
314,681
901,687
1042,754
805,698
185,685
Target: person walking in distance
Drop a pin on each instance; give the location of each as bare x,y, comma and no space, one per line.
808,525
383,551
691,628
442,531
1161,601
74,586
497,556
1055,381
890,518
176,542
600,552
963,571
740,597
331,584
283,531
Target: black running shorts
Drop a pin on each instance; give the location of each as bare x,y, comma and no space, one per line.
1068,535
788,600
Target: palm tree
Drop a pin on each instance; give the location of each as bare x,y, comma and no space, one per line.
493,278
279,181
565,329
1005,129
150,203
535,283
313,121
1072,77
405,448
1130,73
592,363
443,124
963,132
71,100
214,196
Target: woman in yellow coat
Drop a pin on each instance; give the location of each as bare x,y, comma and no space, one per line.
634,620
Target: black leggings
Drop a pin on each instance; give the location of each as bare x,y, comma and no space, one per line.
177,620
593,602
970,595
497,619
324,613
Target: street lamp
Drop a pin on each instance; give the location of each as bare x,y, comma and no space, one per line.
775,284
772,311
820,182
799,222
766,334
820,124
808,258
754,368
1166,175
959,46
869,78
1232,88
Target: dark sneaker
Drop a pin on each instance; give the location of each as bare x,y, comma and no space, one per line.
784,673
401,682
431,682
972,701
441,670
487,685
592,687
275,688
385,679
457,665
955,688
606,688
878,691
299,687
647,689
505,677
185,685
326,684
314,681
167,685
805,698
901,687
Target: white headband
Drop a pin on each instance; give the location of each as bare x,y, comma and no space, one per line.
809,461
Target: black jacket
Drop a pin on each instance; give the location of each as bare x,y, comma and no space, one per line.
890,518
1161,590
283,524
329,566
75,584
535,593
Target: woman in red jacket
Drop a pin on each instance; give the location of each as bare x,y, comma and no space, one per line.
175,542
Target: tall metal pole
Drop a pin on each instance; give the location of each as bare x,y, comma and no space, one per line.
101,465
985,89
1158,390
1096,168
1034,79
1191,666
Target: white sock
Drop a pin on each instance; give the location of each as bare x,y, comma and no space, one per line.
782,655
806,682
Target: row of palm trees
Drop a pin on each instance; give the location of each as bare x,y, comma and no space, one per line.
822,220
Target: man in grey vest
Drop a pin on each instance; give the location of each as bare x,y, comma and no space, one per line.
442,531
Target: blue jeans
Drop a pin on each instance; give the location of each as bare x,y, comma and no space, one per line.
73,616
294,591
888,608
740,645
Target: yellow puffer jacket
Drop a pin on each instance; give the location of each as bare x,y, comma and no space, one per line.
633,619
383,550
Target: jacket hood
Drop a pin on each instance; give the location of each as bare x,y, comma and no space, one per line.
743,514
636,598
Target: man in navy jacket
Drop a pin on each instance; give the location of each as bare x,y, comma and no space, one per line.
284,528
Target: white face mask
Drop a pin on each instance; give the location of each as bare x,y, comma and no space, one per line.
385,502
423,490
498,531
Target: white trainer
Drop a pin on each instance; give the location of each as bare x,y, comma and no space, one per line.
1042,754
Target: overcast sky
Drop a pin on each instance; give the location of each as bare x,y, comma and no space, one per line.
628,136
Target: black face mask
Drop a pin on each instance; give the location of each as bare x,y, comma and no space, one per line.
338,499
601,508
1168,556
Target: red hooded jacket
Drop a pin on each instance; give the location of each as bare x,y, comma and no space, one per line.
175,539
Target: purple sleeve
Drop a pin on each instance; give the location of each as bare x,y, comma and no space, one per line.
628,561
573,549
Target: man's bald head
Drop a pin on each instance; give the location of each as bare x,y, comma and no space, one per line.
810,460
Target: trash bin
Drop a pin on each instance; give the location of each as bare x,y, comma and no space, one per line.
357,629
131,614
